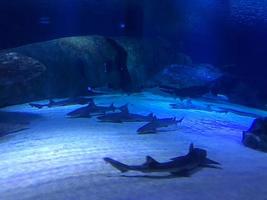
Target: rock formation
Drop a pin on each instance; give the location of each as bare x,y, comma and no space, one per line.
256,136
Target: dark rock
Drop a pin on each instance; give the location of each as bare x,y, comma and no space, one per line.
256,136
148,57
185,76
187,80
73,64
17,68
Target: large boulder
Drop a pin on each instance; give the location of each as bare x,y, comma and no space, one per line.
148,57
256,136
187,80
17,68
74,63
185,76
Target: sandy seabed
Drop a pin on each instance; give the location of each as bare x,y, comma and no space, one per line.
60,158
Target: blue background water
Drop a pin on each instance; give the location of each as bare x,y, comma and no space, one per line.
221,32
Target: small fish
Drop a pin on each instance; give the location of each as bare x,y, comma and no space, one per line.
195,160
155,124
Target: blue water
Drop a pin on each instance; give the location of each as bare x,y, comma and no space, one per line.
61,158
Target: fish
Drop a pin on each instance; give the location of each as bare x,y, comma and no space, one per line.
155,124
11,127
184,166
17,68
67,102
215,97
99,91
125,116
240,112
91,108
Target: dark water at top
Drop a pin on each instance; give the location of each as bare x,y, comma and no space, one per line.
228,34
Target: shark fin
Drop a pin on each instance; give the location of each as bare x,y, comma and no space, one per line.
92,103
124,108
212,162
180,120
118,165
210,166
51,101
112,106
154,118
191,147
150,161
150,115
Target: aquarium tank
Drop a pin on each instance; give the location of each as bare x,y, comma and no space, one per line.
133,99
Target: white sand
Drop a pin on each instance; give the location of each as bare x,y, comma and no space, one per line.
61,158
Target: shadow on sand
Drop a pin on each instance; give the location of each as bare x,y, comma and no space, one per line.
13,122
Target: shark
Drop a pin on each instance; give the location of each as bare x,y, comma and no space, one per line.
125,116
155,124
98,91
91,108
67,102
195,160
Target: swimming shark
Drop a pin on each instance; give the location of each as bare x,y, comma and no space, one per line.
125,116
67,102
155,124
195,160
91,108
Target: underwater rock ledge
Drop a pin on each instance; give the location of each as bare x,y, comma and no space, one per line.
74,63
256,136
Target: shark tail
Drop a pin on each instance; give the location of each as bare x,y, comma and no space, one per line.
180,120
118,165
